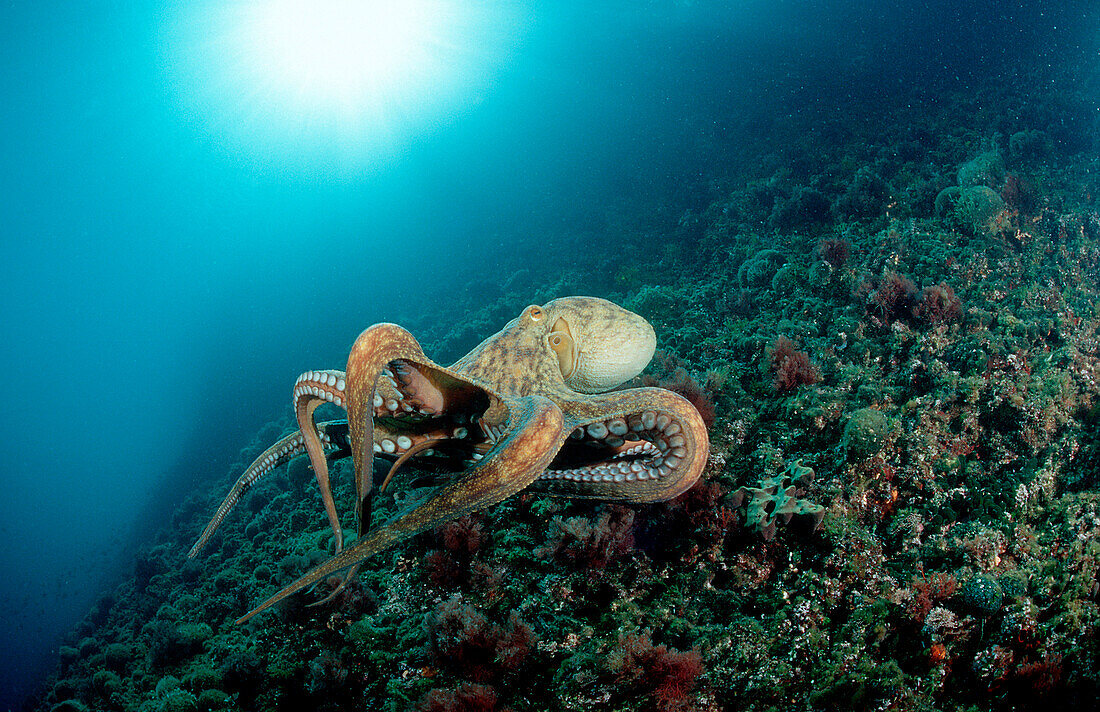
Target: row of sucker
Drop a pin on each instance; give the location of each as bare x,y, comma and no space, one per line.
658,454
387,444
493,433
281,452
327,385
390,399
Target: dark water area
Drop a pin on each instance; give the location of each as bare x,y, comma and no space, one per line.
178,247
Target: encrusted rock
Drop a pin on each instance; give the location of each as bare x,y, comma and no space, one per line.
865,433
980,595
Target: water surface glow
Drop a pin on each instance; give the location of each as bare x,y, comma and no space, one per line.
332,83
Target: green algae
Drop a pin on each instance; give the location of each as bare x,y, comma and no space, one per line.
866,433
981,595
987,170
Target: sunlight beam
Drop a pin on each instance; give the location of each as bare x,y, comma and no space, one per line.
341,53
332,83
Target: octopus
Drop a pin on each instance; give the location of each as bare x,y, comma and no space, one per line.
537,405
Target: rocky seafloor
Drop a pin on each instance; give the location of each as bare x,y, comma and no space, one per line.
896,335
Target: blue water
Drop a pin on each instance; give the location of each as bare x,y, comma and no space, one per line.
176,248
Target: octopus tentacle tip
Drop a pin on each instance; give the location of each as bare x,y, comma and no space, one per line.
531,406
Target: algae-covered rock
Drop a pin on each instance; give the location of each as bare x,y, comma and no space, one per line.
172,698
1013,584
68,655
117,656
787,278
805,207
986,169
975,209
947,200
202,676
979,208
106,682
212,700
867,196
179,701
87,646
980,595
69,706
1030,145
194,635
865,433
658,304
758,270
166,685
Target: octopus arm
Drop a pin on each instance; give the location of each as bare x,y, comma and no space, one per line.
635,445
534,433
332,437
370,356
311,390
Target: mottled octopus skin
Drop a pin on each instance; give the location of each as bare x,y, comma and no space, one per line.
509,411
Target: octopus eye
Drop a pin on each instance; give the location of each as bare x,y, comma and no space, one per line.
601,346
561,342
535,313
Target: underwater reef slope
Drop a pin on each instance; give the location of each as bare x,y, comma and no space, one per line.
898,346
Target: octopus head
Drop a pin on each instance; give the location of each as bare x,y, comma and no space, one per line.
599,345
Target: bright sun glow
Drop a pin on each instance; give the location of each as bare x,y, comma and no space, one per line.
344,53
332,83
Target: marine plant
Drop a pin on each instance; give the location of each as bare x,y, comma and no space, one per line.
792,368
835,252
937,304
